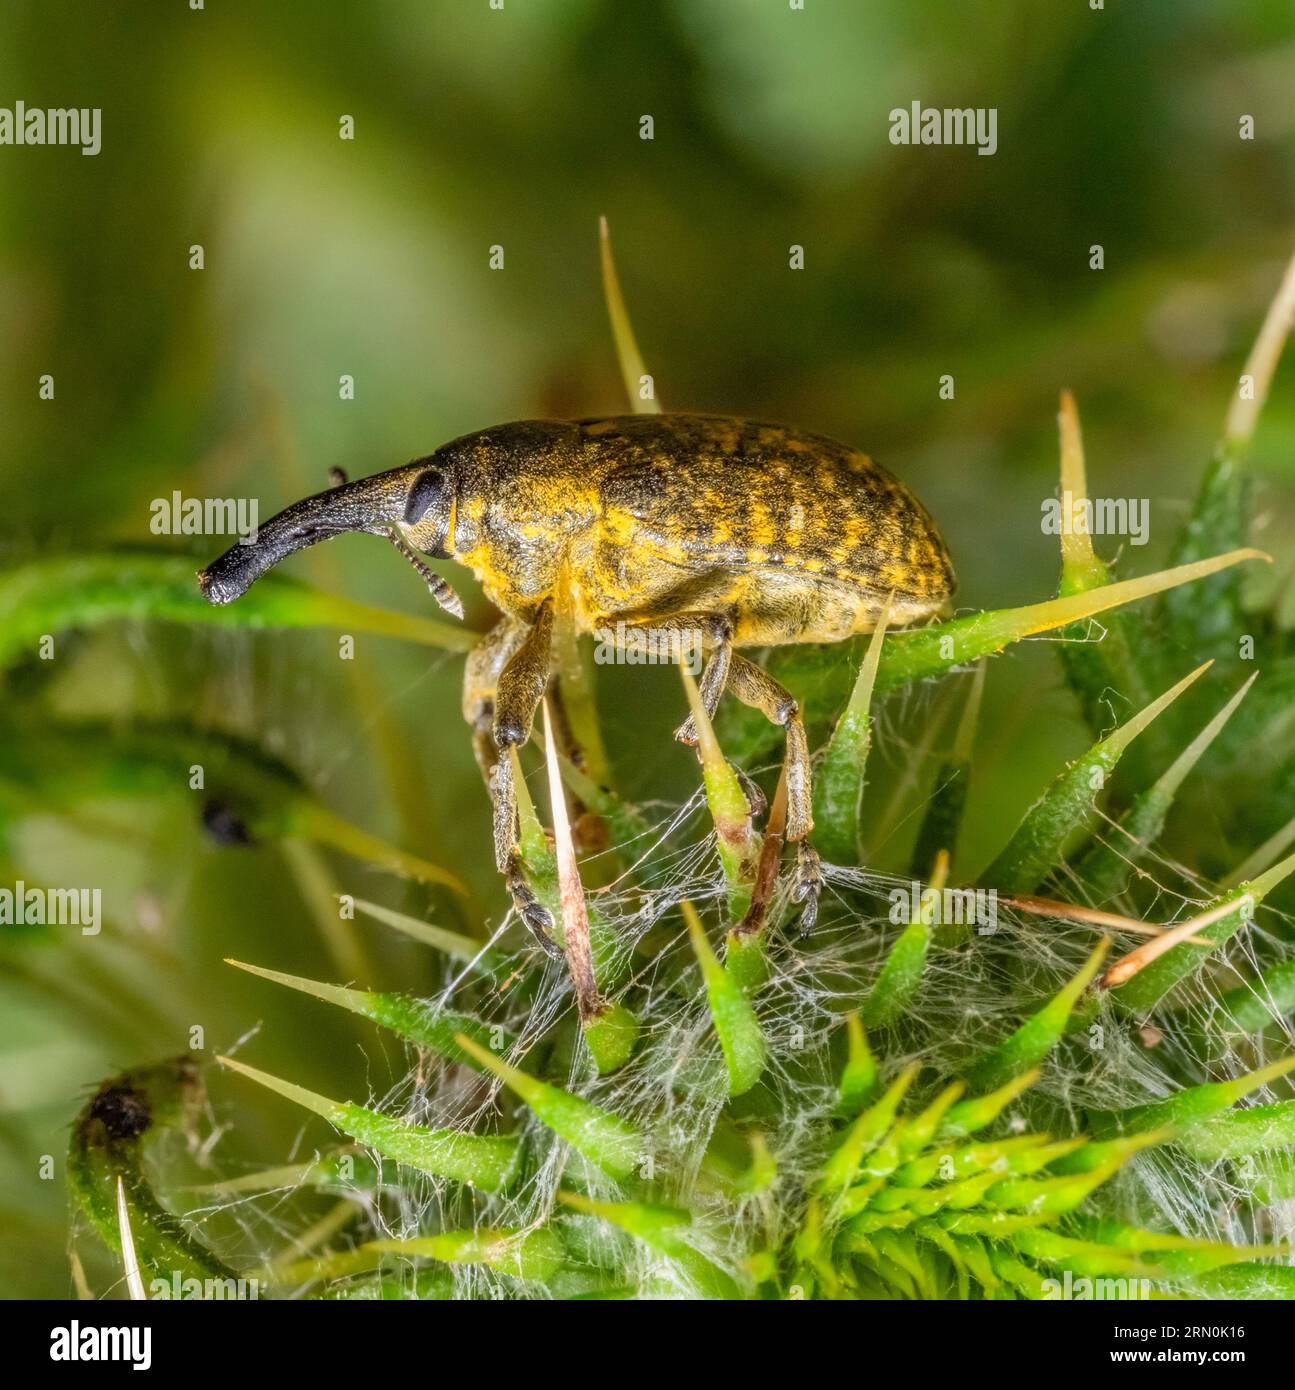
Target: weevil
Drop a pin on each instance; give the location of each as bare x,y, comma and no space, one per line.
736,532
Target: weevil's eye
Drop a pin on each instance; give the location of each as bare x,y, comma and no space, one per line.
425,493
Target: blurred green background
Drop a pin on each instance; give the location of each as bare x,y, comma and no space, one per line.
476,127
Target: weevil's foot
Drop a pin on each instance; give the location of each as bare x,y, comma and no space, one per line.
755,797
539,922
807,885
536,917
686,733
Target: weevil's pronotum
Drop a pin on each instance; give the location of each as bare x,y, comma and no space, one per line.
745,533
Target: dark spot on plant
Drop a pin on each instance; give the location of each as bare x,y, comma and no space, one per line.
225,826
123,1111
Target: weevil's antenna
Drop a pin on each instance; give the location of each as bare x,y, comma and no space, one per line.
440,589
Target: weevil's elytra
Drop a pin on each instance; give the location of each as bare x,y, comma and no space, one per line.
751,533
798,537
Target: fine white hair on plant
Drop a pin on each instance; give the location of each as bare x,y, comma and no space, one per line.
973,994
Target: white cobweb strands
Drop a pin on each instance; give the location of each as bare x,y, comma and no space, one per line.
972,996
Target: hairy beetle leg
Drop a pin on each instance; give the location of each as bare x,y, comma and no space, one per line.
485,692
503,804
537,918
518,658
714,676
714,679
807,885
480,677
755,797
522,682
756,688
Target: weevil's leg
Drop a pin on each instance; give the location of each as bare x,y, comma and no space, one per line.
714,628
755,797
715,676
807,886
758,689
522,681
517,696
718,627
538,920
480,678
503,806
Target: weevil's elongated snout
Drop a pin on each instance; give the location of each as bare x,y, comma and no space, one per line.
373,504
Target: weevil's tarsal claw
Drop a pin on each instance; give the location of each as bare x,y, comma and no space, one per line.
540,924
807,885
751,789
537,918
